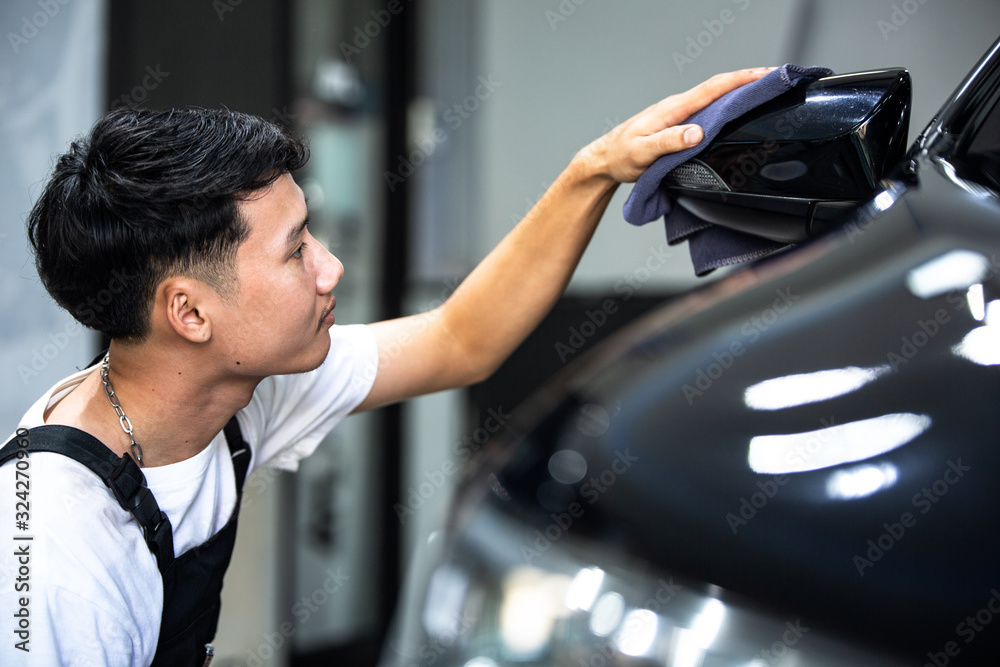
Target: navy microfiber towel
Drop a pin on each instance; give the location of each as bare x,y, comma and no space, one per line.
712,246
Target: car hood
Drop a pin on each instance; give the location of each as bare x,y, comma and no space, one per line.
825,443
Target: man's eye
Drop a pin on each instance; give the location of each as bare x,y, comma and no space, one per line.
298,253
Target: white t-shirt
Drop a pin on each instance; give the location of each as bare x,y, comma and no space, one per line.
95,595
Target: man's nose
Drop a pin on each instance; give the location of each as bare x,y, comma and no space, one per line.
330,272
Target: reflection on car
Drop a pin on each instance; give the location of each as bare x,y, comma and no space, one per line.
796,465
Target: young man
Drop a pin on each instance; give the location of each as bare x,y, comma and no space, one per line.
224,357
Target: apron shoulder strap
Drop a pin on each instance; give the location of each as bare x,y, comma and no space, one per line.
239,450
121,475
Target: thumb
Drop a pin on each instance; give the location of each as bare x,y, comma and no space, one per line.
674,139
692,135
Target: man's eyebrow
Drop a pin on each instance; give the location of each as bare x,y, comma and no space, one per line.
294,232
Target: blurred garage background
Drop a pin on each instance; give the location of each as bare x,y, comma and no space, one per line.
434,127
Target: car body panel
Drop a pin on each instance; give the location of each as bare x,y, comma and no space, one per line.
811,442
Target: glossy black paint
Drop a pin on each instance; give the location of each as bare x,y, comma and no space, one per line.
905,569
790,168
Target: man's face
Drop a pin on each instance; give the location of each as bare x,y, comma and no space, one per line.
280,319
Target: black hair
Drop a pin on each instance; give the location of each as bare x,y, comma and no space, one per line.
150,194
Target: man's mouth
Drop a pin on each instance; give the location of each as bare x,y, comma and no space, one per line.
328,317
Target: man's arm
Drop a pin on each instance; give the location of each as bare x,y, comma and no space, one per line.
505,297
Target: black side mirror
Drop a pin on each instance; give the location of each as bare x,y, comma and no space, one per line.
792,167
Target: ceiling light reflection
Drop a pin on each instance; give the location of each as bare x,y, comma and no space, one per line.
707,624
958,269
982,344
792,390
686,650
481,662
884,200
861,481
584,588
638,633
532,602
977,303
607,614
834,445
692,643
992,315
446,594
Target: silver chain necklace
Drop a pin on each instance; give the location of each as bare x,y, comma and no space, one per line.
123,419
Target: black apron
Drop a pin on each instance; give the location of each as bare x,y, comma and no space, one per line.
192,583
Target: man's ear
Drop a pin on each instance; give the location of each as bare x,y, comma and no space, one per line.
186,303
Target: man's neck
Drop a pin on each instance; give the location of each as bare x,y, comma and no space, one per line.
174,401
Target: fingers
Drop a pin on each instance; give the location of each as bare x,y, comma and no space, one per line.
670,137
677,108
632,146
672,140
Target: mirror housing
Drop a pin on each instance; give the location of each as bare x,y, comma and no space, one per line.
792,167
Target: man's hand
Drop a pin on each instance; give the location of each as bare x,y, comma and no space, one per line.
625,152
511,290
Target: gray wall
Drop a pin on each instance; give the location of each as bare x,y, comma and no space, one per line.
566,70
51,89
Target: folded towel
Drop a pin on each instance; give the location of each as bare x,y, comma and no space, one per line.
712,246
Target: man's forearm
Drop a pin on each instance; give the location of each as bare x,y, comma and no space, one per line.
513,288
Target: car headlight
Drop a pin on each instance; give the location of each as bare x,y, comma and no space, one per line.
507,592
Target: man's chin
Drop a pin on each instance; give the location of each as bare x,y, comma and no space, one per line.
305,360
318,357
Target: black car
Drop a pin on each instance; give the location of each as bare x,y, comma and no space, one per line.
798,464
